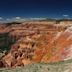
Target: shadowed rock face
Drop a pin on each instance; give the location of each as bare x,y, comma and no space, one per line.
1,64
32,42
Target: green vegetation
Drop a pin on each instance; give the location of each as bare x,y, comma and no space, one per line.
11,23
6,42
42,67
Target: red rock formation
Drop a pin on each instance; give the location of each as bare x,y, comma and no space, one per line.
38,43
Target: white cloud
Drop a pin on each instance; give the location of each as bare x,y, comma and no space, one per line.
1,18
20,19
7,19
65,15
17,17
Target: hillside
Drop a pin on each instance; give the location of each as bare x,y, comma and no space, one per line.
33,42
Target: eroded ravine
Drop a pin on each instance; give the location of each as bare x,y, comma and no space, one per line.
37,43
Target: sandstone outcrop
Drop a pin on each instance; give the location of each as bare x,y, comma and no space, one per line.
32,42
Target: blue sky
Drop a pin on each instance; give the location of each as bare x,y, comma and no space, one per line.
35,8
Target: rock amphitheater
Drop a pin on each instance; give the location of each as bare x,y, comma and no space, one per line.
35,42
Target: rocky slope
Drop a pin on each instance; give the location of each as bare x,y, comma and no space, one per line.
34,42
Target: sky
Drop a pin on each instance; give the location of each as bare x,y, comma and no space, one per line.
35,8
